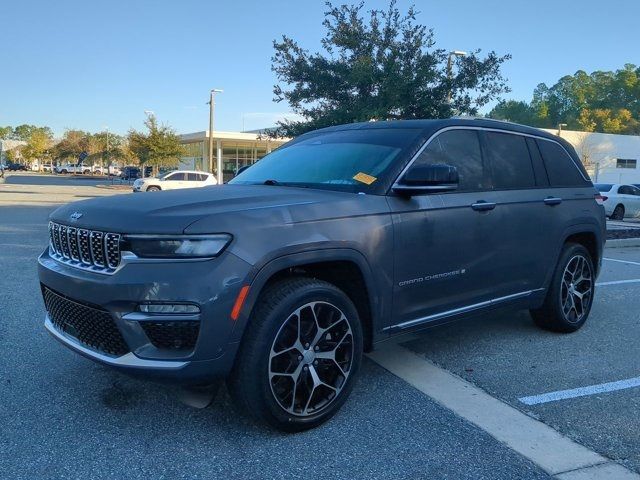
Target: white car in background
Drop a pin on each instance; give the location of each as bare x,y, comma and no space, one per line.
174,180
620,200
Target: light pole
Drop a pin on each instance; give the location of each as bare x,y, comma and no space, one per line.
452,55
560,125
212,106
106,129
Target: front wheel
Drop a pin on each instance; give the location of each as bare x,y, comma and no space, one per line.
153,189
570,293
300,355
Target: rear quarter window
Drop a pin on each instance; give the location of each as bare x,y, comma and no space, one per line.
561,169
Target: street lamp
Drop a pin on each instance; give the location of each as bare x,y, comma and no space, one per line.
452,55
212,106
560,125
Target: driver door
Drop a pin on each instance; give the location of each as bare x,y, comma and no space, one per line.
443,252
173,181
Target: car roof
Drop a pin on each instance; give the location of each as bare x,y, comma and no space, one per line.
432,125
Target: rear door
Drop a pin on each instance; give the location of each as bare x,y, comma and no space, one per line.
519,188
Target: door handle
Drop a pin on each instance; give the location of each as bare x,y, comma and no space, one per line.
482,206
551,201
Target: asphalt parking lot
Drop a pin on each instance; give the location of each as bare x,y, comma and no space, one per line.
66,417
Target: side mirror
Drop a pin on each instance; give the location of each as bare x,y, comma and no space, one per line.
423,179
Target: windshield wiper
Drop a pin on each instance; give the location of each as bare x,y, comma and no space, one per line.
271,182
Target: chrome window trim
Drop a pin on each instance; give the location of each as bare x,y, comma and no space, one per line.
486,129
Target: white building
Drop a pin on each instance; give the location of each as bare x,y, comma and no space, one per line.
607,157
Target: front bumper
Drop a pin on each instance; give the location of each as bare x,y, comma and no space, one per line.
213,285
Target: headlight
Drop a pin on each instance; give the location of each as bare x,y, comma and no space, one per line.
176,246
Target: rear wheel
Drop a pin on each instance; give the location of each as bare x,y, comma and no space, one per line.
618,212
300,355
570,294
153,189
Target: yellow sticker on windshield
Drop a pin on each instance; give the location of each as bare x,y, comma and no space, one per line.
364,178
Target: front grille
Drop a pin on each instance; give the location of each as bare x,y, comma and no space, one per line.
91,326
180,335
89,249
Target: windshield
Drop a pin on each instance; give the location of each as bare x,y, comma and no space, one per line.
164,174
603,187
351,160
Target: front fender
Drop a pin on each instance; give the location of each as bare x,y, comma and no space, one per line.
267,267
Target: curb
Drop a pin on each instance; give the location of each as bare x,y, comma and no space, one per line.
623,243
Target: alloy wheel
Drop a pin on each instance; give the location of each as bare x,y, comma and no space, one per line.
310,358
576,289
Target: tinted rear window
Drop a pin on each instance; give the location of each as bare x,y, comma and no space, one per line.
510,161
562,171
603,187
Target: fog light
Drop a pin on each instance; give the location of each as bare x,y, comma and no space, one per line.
168,308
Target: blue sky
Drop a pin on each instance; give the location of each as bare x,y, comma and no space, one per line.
81,64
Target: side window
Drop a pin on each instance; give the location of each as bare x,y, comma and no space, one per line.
563,172
510,161
203,177
177,177
193,177
625,190
460,149
538,166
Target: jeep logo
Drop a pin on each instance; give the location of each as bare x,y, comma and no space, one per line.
75,216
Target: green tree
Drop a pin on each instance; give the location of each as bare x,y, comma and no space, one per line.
159,147
73,143
24,132
6,132
379,67
38,144
606,102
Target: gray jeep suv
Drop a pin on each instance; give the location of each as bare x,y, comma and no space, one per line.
342,238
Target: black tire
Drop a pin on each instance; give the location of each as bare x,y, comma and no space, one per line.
618,212
559,315
64,171
153,188
261,396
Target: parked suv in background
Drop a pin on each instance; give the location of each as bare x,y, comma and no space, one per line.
174,180
345,236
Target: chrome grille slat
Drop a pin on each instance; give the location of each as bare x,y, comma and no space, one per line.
87,249
97,248
83,243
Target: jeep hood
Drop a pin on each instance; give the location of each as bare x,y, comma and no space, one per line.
172,212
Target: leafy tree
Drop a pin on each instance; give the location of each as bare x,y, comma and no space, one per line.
606,102
24,132
6,132
159,147
39,142
73,143
379,67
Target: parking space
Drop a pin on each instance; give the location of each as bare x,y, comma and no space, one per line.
64,416
508,356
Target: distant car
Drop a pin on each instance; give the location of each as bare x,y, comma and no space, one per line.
174,180
73,168
14,167
47,167
619,200
130,173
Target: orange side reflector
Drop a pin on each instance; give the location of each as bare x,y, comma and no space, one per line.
239,302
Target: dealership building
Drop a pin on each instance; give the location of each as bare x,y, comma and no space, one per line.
236,149
607,157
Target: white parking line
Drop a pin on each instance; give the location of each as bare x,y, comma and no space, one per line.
581,392
553,452
618,282
620,261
